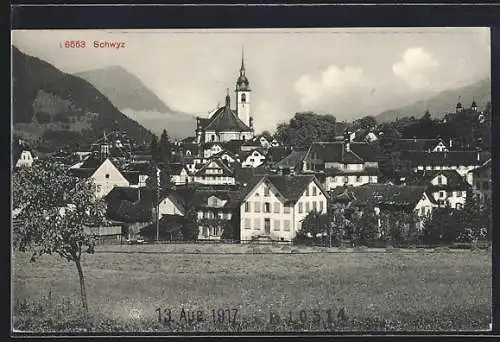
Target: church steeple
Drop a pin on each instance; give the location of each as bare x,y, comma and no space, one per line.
228,99
242,69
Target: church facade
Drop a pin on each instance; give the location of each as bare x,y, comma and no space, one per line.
227,124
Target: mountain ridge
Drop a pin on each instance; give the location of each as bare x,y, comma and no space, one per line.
129,94
443,102
53,109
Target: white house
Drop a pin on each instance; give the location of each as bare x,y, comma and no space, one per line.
104,174
447,187
461,161
180,174
482,181
215,172
275,205
343,163
253,158
25,159
387,198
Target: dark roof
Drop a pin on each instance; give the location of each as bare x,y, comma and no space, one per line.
359,152
225,119
486,165
293,160
226,170
277,153
233,146
188,140
367,171
131,176
291,187
415,144
381,194
443,158
176,168
243,175
454,180
142,168
92,162
201,196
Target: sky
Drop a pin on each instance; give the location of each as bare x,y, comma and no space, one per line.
348,73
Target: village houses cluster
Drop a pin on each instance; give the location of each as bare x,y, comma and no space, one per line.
227,171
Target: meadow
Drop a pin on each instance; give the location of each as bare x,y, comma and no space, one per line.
208,288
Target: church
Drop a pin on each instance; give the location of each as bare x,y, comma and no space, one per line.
227,124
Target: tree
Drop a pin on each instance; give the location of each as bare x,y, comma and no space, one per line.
314,228
366,122
54,209
165,148
365,227
154,149
190,229
267,135
304,128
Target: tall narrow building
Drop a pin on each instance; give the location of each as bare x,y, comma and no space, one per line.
243,94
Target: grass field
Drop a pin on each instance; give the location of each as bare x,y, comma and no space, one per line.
384,290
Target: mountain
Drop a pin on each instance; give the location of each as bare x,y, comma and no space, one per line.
129,94
443,103
53,109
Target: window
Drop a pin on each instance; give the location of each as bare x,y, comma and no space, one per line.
315,206
300,208
320,206
307,207
442,194
358,179
276,224
346,179
315,191
440,180
458,206
252,160
257,207
106,175
212,137
267,207
277,207
458,194
256,224
307,191
257,194
247,207
286,225
243,98
214,202
266,191
286,209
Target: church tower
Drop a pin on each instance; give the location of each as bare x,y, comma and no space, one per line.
243,94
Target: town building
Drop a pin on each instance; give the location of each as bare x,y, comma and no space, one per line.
482,181
447,187
226,124
274,206
343,163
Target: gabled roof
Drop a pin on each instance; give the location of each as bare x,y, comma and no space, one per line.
453,179
415,144
277,153
291,187
243,175
131,176
293,160
227,172
201,196
381,194
359,152
176,168
443,158
130,204
226,120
